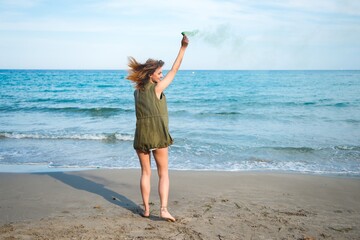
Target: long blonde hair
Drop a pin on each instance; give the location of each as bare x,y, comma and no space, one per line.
140,73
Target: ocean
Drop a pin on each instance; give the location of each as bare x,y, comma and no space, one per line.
288,121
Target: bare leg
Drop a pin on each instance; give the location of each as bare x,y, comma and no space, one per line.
145,186
161,158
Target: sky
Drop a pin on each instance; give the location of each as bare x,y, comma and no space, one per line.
232,34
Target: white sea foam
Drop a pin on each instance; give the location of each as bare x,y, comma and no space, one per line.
73,136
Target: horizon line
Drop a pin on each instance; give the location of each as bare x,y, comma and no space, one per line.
99,69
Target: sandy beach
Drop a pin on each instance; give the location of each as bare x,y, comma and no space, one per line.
105,204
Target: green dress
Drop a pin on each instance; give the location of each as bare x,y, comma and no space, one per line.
152,121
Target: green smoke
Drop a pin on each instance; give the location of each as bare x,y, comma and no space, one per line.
190,33
221,35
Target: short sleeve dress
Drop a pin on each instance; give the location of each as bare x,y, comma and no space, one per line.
152,121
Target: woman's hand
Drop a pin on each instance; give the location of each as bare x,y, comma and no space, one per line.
184,41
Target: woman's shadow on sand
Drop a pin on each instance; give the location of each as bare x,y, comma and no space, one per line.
81,183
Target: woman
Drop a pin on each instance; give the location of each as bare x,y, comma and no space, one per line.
152,133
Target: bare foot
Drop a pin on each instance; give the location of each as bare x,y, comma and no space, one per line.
145,213
164,214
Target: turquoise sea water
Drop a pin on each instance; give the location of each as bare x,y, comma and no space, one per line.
298,121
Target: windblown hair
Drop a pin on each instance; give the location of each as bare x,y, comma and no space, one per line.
140,73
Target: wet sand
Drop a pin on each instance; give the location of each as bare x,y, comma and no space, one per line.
105,204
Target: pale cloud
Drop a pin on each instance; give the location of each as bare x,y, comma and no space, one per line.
56,25
347,7
158,7
19,3
186,10
252,34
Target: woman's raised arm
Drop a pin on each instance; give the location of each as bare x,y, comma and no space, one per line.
165,82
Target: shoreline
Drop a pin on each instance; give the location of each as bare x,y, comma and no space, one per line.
44,168
208,205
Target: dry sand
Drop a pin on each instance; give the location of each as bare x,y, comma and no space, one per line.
104,204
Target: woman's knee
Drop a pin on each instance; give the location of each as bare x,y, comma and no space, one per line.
145,163
146,172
